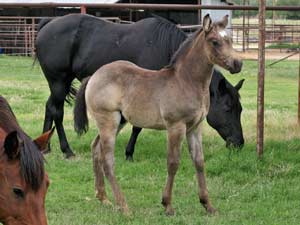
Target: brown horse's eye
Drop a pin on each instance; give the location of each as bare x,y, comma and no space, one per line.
18,193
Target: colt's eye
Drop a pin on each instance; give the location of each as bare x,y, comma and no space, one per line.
18,192
215,43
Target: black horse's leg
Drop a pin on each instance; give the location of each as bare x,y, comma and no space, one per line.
48,122
130,146
59,91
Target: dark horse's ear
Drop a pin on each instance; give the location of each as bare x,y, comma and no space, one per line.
43,140
222,87
239,84
207,23
12,144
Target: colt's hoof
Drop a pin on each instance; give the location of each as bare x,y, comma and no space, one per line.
106,202
211,211
170,211
125,210
103,199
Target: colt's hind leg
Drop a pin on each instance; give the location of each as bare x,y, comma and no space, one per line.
194,140
175,136
98,171
109,126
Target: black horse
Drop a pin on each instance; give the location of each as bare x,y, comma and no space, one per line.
76,45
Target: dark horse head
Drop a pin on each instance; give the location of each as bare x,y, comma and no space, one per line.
225,110
23,180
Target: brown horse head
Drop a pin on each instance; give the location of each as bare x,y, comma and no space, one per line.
23,181
219,45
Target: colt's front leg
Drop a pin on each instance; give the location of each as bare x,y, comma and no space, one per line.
194,139
175,136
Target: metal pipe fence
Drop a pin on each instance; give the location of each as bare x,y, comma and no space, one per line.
122,6
18,34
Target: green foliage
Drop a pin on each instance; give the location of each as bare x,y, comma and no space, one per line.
244,190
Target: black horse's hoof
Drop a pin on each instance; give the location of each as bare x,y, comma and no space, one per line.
129,158
69,155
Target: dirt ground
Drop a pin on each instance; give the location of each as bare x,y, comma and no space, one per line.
270,54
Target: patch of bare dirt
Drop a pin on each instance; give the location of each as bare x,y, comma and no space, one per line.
270,54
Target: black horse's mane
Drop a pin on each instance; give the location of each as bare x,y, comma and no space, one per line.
31,159
184,47
169,34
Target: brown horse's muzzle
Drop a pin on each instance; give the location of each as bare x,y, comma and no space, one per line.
236,66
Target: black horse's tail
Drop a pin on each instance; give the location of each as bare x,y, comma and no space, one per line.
81,122
43,22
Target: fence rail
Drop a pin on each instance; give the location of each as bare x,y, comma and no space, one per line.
18,34
277,36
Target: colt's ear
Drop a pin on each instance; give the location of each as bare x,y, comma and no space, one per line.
223,23
239,84
43,140
207,23
12,144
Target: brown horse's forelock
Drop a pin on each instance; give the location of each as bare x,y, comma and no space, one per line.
32,163
31,159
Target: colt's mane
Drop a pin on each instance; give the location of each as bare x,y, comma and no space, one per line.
31,159
183,49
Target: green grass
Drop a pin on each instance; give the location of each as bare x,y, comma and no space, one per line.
283,45
242,188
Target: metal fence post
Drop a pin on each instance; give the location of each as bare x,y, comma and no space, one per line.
261,79
299,85
83,9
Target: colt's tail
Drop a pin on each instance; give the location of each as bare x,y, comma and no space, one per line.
81,122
